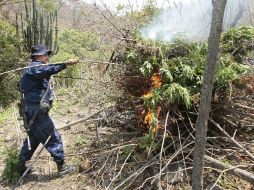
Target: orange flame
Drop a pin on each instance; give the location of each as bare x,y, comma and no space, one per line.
156,80
148,119
148,94
156,83
156,128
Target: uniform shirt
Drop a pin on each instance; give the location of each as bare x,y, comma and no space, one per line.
35,80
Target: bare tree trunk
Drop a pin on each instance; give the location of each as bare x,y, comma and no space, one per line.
206,94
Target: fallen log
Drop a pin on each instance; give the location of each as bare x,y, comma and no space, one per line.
80,120
234,170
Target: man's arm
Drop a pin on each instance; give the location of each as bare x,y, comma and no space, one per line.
45,71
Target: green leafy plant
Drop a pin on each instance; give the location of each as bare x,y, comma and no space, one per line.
10,54
10,173
187,73
131,57
147,143
166,73
238,41
176,94
152,99
146,69
179,68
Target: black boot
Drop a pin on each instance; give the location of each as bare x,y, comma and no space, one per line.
64,169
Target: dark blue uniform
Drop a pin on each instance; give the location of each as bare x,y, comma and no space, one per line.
34,83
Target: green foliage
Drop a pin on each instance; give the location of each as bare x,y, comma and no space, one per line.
49,5
238,41
152,99
75,44
8,41
146,69
2,152
166,73
228,71
147,143
126,151
131,57
225,183
9,50
120,7
10,55
10,173
180,67
150,9
140,17
38,24
176,94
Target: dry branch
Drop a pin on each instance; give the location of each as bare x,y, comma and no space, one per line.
243,106
81,120
243,174
106,149
151,162
232,139
162,146
17,126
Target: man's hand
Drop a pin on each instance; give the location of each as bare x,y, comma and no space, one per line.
71,62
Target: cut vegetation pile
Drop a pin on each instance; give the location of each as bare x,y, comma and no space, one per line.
161,85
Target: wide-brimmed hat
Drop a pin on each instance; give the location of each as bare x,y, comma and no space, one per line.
40,50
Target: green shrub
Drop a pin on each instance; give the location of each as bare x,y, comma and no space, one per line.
10,173
10,57
238,41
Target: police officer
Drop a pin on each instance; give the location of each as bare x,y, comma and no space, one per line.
34,83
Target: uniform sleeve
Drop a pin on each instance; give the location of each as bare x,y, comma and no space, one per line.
45,71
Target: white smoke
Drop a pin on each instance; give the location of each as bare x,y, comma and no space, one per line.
189,19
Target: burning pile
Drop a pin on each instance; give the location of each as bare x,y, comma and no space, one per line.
161,85
163,78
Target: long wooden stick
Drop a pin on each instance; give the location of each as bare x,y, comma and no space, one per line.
35,159
82,61
80,121
243,174
17,126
